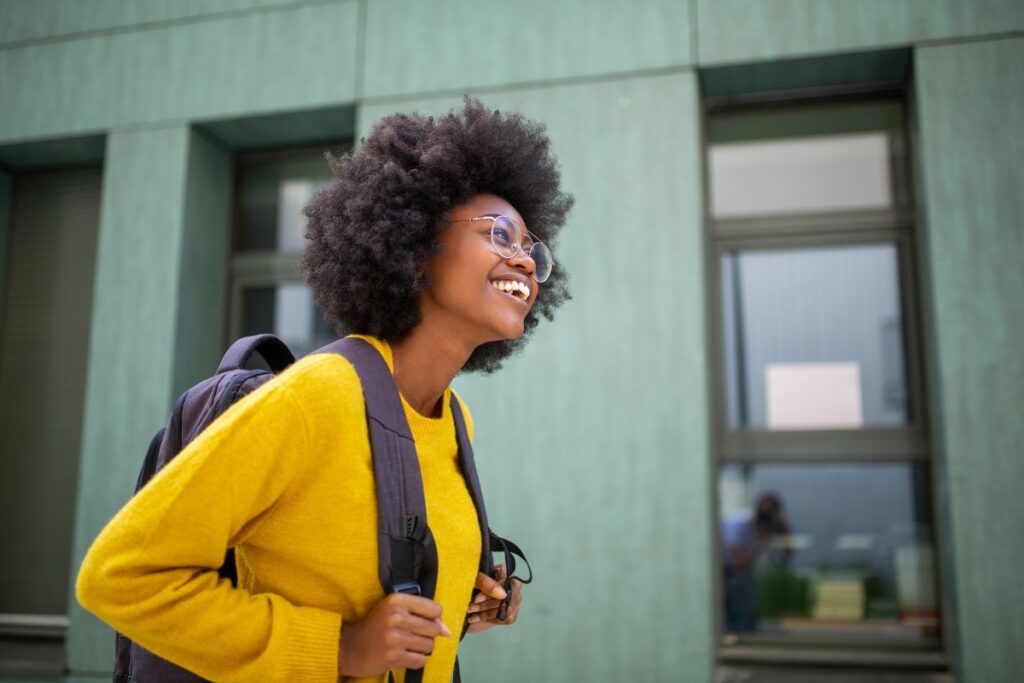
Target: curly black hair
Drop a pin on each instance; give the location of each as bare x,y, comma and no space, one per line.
373,229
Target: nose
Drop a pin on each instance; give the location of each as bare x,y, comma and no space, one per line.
523,261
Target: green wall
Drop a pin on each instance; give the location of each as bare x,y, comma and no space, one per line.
970,99
55,19
426,47
251,63
203,265
742,31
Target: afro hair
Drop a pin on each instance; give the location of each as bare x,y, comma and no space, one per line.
372,230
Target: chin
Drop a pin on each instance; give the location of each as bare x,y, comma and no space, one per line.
511,332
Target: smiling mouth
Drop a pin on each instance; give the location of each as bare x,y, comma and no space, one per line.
513,288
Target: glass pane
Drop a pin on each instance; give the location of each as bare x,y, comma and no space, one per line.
840,551
813,338
273,192
801,174
288,311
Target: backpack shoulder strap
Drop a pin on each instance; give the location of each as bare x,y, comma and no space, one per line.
468,466
407,557
490,541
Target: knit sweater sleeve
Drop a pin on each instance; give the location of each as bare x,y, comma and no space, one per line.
152,572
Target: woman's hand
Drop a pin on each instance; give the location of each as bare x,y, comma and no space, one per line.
483,611
398,633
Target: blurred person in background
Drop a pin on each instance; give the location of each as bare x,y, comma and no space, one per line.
746,537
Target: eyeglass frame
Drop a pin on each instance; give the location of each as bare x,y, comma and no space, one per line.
493,217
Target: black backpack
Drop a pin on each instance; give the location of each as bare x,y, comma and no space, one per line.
407,557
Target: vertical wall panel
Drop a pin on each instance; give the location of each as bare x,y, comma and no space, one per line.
133,335
593,443
203,273
970,98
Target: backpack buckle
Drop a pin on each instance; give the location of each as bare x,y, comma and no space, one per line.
409,588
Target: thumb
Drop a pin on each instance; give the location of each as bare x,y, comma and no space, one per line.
489,586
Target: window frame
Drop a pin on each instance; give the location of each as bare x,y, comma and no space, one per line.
261,268
908,443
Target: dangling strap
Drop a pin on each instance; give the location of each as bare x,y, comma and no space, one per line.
509,550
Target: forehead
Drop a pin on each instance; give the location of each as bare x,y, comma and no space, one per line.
486,205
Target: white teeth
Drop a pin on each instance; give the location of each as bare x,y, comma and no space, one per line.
513,287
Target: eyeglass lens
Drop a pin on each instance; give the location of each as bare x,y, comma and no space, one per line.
507,238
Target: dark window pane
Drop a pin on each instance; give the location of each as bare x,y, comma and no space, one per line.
813,338
273,192
286,310
835,550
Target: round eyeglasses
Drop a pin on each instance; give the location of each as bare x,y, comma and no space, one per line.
508,237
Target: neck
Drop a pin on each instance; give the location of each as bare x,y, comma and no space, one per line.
426,362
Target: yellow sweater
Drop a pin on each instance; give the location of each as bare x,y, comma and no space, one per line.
286,477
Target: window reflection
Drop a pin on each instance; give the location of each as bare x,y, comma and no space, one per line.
273,188
801,174
813,338
273,191
286,310
827,550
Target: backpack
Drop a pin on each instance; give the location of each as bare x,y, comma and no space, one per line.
407,557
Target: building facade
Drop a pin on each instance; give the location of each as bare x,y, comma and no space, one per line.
776,432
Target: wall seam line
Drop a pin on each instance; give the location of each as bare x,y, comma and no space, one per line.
518,86
75,36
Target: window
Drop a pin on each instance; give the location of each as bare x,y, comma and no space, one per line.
825,525
267,290
44,338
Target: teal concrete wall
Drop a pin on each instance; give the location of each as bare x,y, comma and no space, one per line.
203,264
131,355
251,63
742,31
604,477
424,47
970,98
54,19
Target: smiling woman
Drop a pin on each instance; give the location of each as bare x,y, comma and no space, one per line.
429,245
374,230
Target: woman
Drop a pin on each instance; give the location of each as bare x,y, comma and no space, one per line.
421,246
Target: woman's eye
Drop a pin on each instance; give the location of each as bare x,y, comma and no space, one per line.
502,235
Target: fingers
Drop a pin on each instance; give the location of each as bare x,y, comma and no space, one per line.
491,588
417,644
399,632
415,623
486,609
425,615
418,605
